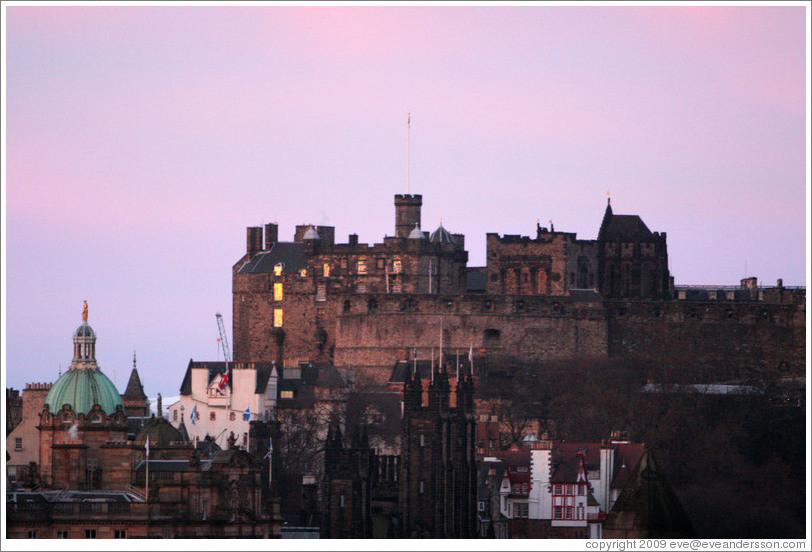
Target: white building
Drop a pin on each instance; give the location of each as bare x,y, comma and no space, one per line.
207,409
569,487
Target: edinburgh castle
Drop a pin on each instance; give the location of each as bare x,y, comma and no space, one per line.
543,298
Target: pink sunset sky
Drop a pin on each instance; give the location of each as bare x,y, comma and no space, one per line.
140,142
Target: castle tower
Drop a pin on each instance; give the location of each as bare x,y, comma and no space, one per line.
632,260
407,213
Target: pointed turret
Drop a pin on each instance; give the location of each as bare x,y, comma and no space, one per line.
412,392
135,390
607,218
182,429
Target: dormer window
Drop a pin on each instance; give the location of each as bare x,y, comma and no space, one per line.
277,269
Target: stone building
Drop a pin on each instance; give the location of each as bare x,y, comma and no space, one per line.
22,443
543,298
347,493
438,473
207,408
89,478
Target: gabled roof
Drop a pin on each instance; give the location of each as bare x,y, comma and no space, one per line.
627,228
214,368
263,374
290,254
647,506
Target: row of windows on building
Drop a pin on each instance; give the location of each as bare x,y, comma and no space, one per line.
569,489
521,510
89,534
360,267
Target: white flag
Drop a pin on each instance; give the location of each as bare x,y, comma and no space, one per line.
147,445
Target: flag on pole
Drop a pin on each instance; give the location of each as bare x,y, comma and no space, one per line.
247,414
471,358
193,415
147,445
270,449
223,379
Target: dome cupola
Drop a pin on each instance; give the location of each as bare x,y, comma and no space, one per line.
416,233
84,384
441,235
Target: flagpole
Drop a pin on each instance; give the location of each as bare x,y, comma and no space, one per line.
270,461
147,470
408,154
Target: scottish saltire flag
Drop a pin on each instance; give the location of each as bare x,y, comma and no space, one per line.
193,415
247,414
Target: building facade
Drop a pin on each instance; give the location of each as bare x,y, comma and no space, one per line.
543,298
438,472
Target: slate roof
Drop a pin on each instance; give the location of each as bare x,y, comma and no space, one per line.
647,506
290,254
475,280
134,388
566,457
135,424
441,235
215,368
623,228
627,228
585,295
159,431
71,496
163,465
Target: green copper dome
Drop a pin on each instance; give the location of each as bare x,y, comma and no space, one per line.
83,385
82,388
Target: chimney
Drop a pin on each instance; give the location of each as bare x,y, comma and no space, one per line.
751,284
407,213
271,235
254,240
353,239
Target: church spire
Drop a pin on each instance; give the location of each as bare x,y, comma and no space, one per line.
607,218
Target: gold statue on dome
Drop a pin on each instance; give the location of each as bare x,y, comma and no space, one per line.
84,312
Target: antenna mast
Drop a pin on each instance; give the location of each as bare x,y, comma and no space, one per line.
408,154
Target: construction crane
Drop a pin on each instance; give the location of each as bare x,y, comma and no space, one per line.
226,350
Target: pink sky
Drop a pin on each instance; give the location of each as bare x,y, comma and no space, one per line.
142,141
